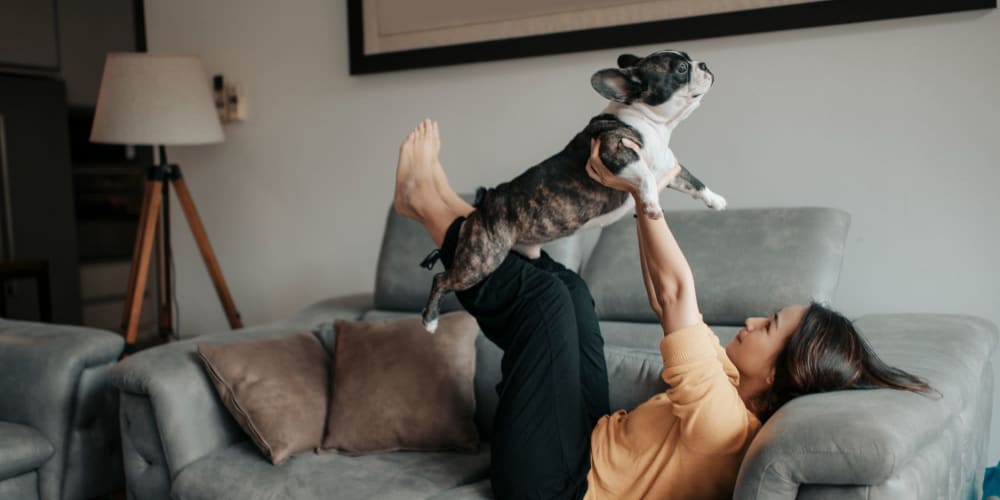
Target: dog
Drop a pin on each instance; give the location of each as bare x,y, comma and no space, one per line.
648,97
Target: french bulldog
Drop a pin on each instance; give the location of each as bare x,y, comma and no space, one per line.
648,97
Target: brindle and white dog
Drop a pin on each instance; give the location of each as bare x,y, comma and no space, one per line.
556,198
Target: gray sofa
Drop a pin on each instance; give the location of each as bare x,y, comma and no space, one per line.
180,442
59,435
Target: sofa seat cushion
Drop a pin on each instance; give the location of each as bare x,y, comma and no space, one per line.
238,472
24,449
475,491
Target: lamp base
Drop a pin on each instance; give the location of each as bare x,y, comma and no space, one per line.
154,202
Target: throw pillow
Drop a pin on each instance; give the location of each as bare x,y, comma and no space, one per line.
396,387
276,389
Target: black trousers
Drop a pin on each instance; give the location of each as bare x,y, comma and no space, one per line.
554,384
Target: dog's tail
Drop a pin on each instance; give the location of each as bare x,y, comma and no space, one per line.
480,194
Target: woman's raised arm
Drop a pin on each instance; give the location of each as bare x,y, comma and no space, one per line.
666,273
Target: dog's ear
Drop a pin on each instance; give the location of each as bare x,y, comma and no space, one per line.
616,85
627,60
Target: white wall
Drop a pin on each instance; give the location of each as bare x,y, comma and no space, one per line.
895,122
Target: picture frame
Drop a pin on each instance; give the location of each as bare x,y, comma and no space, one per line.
364,26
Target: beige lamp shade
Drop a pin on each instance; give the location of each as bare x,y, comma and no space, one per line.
154,99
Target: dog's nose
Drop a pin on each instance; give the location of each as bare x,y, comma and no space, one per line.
703,66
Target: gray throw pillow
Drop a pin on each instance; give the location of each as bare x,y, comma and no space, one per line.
276,389
397,387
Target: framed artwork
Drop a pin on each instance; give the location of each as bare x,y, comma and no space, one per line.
388,35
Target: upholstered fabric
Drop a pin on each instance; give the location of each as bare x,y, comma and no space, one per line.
237,472
23,449
144,461
94,452
23,487
396,387
872,437
871,445
475,491
748,262
276,389
53,379
190,420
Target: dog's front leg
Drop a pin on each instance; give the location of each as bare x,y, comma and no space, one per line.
623,156
687,183
639,175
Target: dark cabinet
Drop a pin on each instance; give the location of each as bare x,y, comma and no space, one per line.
37,190
28,38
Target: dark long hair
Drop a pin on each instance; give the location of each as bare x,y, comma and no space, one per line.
828,354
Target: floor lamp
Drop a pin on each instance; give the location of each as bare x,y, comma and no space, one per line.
160,100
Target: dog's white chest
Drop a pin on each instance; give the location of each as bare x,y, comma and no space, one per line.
656,147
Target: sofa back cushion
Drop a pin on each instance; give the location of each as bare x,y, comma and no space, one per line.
402,285
746,262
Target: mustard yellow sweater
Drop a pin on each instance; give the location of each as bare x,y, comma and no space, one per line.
685,443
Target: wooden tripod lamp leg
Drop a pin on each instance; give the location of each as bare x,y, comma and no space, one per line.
139,272
201,237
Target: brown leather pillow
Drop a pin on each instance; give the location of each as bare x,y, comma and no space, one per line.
395,386
276,389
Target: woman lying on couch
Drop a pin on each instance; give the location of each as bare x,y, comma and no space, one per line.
553,437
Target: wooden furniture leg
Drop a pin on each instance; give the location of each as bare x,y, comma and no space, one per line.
201,237
139,272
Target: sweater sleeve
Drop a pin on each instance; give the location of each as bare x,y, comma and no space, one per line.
712,415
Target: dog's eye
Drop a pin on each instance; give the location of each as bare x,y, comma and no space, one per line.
682,68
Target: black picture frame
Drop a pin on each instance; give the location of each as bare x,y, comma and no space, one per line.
829,12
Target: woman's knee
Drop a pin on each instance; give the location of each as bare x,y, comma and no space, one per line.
577,288
553,305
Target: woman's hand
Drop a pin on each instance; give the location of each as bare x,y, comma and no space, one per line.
598,171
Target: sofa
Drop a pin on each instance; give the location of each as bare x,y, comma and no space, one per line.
179,441
59,436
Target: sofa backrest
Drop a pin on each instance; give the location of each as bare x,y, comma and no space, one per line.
746,262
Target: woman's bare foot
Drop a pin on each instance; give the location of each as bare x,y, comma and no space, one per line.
415,183
417,195
440,179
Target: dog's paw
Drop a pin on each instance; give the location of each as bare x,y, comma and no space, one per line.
652,210
431,326
712,200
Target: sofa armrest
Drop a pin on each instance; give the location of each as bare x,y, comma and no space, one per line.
867,437
51,377
187,414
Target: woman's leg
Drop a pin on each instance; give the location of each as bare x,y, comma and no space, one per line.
540,446
593,367
422,191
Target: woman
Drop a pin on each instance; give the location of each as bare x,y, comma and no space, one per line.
553,437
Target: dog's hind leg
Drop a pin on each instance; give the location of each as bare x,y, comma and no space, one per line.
478,252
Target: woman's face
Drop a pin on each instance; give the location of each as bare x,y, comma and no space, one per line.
757,345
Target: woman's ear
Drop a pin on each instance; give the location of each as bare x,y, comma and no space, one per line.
770,377
616,85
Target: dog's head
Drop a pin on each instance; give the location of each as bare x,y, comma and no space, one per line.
667,82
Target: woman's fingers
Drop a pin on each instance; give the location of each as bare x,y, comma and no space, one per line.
595,167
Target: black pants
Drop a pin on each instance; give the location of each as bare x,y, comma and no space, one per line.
555,381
